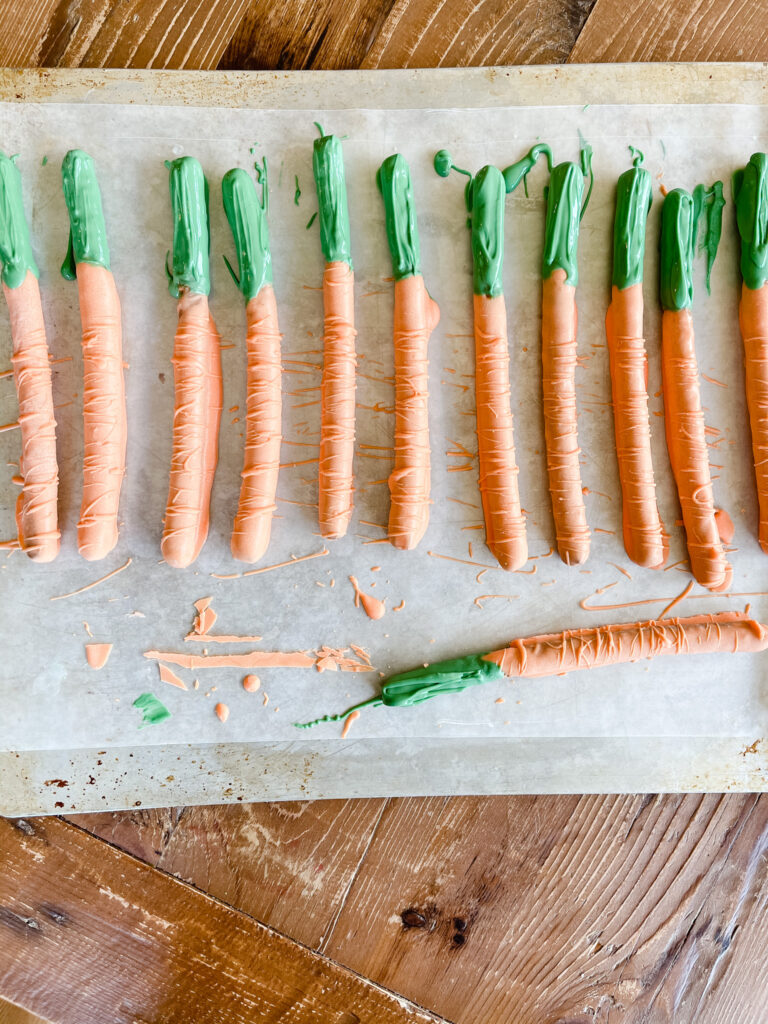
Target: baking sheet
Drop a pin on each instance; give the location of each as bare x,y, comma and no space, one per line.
52,702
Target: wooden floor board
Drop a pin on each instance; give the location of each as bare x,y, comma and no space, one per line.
88,933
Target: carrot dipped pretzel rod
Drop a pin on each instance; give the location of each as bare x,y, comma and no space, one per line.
484,195
247,218
337,391
643,534
553,654
36,511
196,370
683,415
104,420
416,316
750,192
558,353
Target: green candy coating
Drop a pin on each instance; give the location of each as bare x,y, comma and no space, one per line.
328,169
87,230
190,268
248,221
15,245
393,179
750,193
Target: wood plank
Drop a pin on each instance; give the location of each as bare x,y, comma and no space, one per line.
305,34
89,934
565,908
143,834
687,30
466,33
289,865
10,1014
22,28
140,33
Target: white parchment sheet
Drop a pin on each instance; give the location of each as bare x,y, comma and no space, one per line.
48,695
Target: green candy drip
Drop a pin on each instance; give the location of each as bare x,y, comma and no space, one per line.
328,169
247,219
484,195
519,171
152,711
680,219
15,246
394,182
410,688
633,203
710,202
190,269
750,193
564,213
87,231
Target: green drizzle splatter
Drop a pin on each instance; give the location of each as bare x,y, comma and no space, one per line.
189,201
394,182
44,161
87,230
564,213
15,245
297,193
246,214
750,193
484,196
680,219
633,203
409,688
311,221
328,168
152,711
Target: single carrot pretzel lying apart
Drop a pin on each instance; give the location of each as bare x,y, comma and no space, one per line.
552,654
247,218
683,415
337,389
36,508
750,190
643,533
416,316
104,418
558,355
196,369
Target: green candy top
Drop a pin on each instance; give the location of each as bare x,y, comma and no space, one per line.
633,203
409,688
189,200
680,218
247,219
15,247
750,193
564,213
484,196
328,168
394,181
87,231
487,194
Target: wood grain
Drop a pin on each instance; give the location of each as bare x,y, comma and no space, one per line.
469,33
565,908
89,933
289,864
138,33
305,34
686,30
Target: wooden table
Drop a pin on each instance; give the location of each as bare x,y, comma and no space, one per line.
533,910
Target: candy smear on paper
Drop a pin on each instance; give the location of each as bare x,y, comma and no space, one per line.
170,677
251,683
373,607
153,712
97,654
222,712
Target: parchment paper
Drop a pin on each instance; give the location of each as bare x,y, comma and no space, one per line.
49,696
